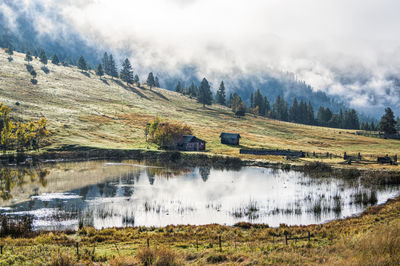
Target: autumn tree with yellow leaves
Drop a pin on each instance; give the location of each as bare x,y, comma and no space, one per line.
20,136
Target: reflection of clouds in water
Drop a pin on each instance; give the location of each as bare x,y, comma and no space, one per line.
183,196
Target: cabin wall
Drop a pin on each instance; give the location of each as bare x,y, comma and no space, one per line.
230,141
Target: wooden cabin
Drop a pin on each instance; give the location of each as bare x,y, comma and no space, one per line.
191,143
230,138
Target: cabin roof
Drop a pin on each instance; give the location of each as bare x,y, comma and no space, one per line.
190,138
230,135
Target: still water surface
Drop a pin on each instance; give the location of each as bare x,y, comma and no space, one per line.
107,194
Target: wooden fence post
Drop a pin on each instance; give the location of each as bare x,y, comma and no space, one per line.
148,242
286,238
220,243
197,244
1,249
77,249
309,236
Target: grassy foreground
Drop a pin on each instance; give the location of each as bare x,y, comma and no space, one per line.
83,110
370,239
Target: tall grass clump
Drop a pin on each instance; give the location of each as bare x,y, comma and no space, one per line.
62,259
158,257
378,247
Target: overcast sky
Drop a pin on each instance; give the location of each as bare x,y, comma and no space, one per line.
349,48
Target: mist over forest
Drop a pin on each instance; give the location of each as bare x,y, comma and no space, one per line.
245,53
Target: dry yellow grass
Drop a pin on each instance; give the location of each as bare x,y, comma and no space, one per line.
105,113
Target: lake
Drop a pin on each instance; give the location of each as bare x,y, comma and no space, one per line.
118,194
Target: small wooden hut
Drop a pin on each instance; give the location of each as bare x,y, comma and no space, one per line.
230,138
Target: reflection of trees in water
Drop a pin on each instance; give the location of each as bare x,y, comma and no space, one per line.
204,173
165,173
11,178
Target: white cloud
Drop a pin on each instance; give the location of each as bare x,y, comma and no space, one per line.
348,48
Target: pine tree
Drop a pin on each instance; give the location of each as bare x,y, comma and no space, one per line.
156,82
258,101
106,64
334,121
10,50
237,105
136,80
43,57
178,87
267,106
82,65
398,124
341,119
150,80
113,72
280,109
193,91
310,119
372,126
28,57
324,116
205,95
363,126
294,115
251,100
99,71
351,120
230,100
126,73
221,96
55,60
387,123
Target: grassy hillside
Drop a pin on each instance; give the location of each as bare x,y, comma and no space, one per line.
84,110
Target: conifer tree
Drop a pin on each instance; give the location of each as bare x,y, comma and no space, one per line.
205,95
150,80
178,87
55,60
258,101
397,124
106,64
221,96
238,106
99,71
387,123
280,109
156,82
82,65
294,112
251,100
43,57
136,80
372,126
10,50
113,72
28,57
126,73
351,119
230,100
193,91
267,106
310,114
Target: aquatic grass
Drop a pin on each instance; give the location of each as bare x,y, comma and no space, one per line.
16,226
365,197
